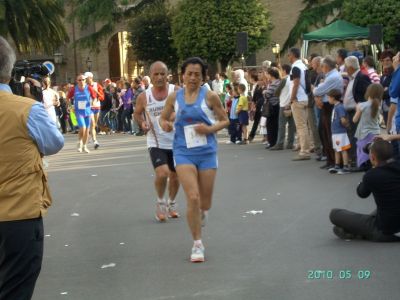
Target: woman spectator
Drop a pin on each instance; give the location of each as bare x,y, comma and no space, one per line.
271,105
257,100
126,96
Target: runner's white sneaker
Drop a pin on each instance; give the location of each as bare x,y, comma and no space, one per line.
85,149
80,147
172,210
197,254
161,211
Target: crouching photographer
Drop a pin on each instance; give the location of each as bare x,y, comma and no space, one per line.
383,182
26,135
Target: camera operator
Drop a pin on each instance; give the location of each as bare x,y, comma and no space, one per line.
383,181
26,135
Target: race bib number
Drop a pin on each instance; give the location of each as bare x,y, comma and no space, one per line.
81,104
194,139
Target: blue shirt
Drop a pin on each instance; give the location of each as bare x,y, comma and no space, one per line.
233,115
338,113
191,114
394,88
41,129
333,81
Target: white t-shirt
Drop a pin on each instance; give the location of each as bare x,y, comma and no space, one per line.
49,95
301,93
284,97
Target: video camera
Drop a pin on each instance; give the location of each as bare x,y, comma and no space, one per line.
25,69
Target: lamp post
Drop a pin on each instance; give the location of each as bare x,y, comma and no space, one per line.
88,63
276,49
58,60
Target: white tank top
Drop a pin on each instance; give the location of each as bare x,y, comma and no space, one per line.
157,138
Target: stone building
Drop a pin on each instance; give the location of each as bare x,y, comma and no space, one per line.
116,60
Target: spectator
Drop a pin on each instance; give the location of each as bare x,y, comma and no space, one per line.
299,100
355,93
285,112
386,59
341,56
332,81
369,66
367,116
340,140
383,182
257,100
272,106
242,110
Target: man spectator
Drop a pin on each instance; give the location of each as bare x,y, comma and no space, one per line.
355,91
26,135
218,84
369,66
299,102
383,182
341,56
332,81
386,59
146,82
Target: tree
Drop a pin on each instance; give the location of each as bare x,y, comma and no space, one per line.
105,12
208,28
366,12
314,14
151,37
33,25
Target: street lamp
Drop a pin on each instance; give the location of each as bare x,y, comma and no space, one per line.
88,63
58,60
276,49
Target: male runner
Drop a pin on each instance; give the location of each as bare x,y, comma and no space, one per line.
149,106
95,106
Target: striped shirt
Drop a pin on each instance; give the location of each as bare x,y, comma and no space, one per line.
373,76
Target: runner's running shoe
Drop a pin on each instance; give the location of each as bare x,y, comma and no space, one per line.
197,254
96,145
85,149
161,211
172,210
80,147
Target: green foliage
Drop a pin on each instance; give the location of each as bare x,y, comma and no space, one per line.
105,12
208,28
151,37
314,14
33,25
366,12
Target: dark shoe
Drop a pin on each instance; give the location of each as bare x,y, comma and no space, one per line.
344,171
356,170
276,147
334,170
326,166
321,158
342,234
301,157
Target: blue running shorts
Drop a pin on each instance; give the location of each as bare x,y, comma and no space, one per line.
203,162
83,121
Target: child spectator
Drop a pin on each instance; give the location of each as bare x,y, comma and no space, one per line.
235,128
340,140
367,116
243,111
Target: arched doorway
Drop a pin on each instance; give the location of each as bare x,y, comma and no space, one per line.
121,57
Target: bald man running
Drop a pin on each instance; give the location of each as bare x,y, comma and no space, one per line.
149,106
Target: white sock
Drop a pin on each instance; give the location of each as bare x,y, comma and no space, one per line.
198,243
160,200
171,201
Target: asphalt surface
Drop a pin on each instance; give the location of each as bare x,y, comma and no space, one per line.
102,241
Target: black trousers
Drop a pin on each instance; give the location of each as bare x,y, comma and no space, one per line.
360,225
325,133
21,253
257,118
351,131
273,126
235,130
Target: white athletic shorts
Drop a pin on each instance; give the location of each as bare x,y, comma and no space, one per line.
340,142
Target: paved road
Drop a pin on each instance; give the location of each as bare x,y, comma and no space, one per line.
264,256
